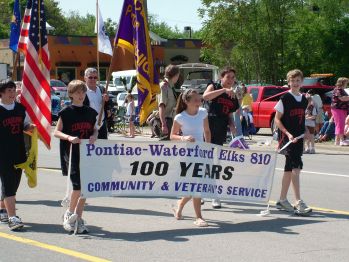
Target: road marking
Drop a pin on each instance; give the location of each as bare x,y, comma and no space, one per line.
318,173
57,249
321,209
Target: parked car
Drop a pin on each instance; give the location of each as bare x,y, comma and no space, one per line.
59,87
55,105
120,99
123,81
266,97
264,102
196,76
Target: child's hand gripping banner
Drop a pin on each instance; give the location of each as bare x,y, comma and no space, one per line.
30,166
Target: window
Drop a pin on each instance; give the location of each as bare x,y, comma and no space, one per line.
254,92
66,74
268,92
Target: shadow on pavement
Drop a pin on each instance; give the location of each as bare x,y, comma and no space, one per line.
227,207
278,225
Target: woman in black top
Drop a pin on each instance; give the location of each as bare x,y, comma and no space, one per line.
222,104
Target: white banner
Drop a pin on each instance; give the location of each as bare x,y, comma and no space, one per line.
173,169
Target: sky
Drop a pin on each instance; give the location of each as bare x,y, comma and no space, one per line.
174,12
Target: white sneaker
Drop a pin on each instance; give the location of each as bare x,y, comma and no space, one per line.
69,220
15,223
3,216
301,208
81,227
284,205
216,203
344,143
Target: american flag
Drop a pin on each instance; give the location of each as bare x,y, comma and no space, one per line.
36,96
23,39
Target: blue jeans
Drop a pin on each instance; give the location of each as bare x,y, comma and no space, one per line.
237,122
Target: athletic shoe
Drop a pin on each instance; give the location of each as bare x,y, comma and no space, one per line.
312,151
344,143
202,201
306,151
216,203
81,227
69,220
15,223
301,208
284,205
3,216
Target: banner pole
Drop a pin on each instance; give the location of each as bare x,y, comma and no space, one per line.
97,25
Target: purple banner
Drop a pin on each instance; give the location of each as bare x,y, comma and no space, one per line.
133,35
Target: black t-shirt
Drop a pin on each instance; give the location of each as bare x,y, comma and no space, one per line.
293,120
222,105
77,122
12,147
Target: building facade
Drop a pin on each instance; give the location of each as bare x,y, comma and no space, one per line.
71,55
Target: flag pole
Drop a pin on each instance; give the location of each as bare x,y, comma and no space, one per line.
107,83
97,25
14,66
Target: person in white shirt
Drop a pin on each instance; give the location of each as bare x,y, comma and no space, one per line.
319,121
190,125
131,113
94,99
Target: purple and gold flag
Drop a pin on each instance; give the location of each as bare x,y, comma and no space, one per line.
133,36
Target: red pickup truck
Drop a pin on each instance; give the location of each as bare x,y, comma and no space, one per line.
266,97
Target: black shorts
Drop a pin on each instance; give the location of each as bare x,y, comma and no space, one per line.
219,128
10,179
75,164
293,161
75,180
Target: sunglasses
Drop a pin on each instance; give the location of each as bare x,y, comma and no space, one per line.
92,77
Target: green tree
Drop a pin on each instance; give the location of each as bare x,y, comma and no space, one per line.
54,16
263,39
80,25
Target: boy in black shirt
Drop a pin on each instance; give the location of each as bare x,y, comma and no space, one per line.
75,122
290,119
13,121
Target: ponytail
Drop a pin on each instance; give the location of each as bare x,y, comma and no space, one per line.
181,105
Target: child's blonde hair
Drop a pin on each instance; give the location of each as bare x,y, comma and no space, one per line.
294,73
342,82
74,86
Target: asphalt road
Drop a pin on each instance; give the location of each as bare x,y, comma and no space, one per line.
143,229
